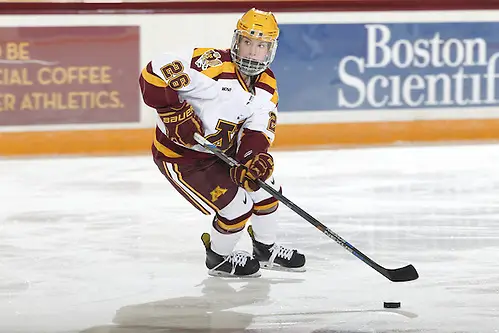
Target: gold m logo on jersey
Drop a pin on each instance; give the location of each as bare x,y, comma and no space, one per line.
222,138
217,193
210,58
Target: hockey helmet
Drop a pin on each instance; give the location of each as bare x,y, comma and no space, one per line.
254,43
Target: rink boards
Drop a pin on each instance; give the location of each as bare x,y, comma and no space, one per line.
69,82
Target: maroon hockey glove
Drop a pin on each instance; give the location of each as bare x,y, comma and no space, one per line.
181,123
260,167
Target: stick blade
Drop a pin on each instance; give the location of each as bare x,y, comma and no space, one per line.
403,274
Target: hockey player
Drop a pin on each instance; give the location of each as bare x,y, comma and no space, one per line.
230,97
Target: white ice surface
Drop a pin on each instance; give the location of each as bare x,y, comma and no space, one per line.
101,245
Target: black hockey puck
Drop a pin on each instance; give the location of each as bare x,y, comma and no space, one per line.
391,305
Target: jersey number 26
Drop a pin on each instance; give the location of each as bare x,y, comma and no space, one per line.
175,76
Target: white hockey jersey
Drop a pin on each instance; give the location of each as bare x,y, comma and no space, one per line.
211,83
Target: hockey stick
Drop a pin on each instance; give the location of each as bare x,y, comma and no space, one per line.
402,274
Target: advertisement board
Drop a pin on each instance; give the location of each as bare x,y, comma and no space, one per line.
69,75
374,66
70,81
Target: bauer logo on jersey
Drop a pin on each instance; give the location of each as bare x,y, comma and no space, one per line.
210,58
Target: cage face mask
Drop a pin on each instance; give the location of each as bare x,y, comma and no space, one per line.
254,43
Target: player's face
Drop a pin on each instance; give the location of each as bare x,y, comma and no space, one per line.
253,48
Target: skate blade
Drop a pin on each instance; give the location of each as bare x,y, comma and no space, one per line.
277,267
228,275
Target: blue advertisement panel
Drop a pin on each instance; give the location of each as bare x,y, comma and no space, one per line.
387,66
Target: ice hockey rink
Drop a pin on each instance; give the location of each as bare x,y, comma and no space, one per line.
104,244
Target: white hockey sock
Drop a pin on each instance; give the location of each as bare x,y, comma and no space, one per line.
264,228
224,244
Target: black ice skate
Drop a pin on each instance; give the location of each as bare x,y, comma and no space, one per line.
236,264
277,257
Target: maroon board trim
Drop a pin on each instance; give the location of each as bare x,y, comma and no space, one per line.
39,8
